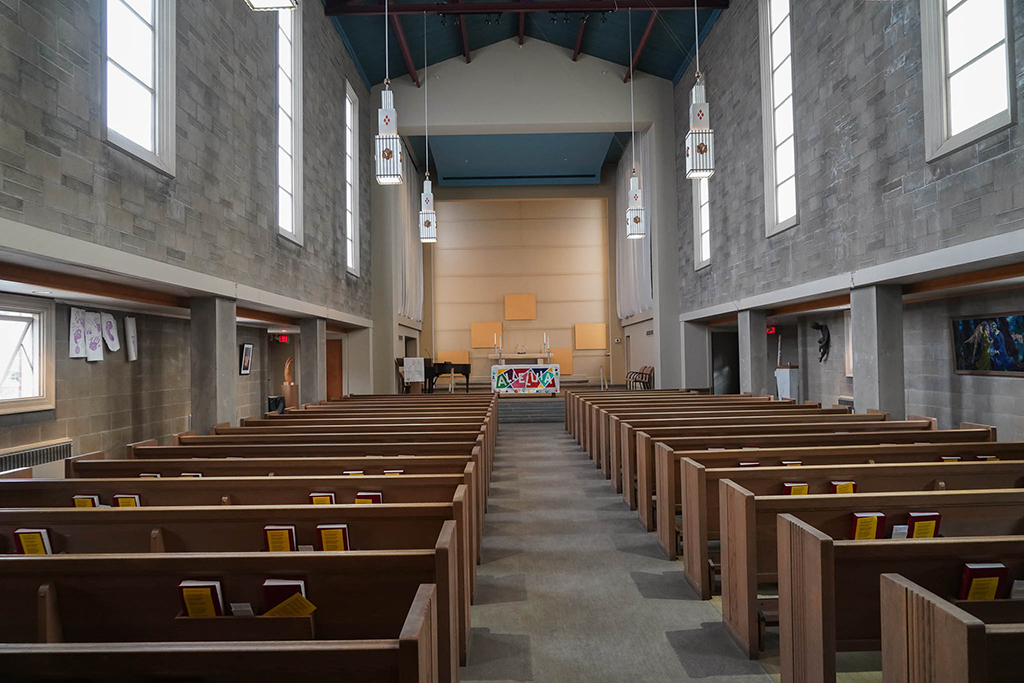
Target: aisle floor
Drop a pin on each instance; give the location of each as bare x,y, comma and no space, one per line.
572,588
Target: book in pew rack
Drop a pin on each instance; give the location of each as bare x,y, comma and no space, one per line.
321,498
279,538
333,537
923,524
867,525
983,581
842,487
286,598
795,488
126,500
369,498
83,500
201,599
393,473
32,542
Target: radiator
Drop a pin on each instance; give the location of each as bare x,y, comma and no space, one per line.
846,401
34,454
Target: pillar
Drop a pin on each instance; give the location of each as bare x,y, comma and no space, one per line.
215,362
754,372
876,314
313,360
695,340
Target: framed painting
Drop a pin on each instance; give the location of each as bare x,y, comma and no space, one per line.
989,345
246,365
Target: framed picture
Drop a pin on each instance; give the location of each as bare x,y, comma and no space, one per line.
246,364
989,345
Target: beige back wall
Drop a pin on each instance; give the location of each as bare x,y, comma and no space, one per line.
556,249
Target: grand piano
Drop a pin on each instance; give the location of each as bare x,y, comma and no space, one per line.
434,370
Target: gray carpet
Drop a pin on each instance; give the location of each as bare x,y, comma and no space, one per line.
572,589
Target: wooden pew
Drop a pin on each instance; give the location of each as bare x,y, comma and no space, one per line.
751,548
667,466
928,639
578,400
278,490
909,467
829,590
119,615
622,429
213,529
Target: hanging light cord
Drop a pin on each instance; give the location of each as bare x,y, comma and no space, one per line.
387,54
426,85
632,121
696,38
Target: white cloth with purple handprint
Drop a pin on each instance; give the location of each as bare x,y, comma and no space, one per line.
109,326
76,336
93,337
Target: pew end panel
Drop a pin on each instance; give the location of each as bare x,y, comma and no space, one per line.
927,639
993,434
665,511
739,567
130,448
807,625
417,642
628,445
695,526
645,481
69,463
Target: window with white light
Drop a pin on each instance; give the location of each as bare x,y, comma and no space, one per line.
351,180
778,117
289,124
701,224
968,72
26,354
139,83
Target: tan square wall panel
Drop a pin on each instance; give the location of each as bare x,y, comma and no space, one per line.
482,335
520,306
591,336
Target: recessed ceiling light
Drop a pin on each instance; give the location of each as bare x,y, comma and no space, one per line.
270,5
43,292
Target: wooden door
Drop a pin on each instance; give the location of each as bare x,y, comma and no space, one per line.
334,376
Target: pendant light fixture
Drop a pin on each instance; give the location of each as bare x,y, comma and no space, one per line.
428,218
636,227
700,141
387,143
270,5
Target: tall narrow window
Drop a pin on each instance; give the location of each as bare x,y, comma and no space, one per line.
139,109
351,180
289,124
777,115
968,72
701,224
26,354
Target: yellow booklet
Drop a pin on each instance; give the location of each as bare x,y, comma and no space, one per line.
295,606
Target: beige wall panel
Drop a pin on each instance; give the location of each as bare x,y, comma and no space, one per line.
520,307
479,210
564,358
532,261
482,335
519,233
452,339
564,208
591,336
485,288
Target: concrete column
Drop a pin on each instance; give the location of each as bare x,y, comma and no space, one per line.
215,362
696,344
755,376
313,360
876,314
357,362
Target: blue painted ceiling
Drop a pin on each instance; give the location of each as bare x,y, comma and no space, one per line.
519,159
667,54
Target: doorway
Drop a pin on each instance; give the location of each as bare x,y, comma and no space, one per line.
725,362
335,378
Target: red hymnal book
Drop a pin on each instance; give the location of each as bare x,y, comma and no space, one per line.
393,472
867,525
795,488
792,463
149,475
201,598
983,581
987,457
192,474
86,501
369,498
750,463
353,473
842,487
32,542
950,458
923,524
279,538
276,591
321,498
332,537
126,500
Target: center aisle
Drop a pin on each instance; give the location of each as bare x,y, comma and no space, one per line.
572,589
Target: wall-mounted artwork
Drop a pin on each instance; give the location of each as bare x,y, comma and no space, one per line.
989,345
246,364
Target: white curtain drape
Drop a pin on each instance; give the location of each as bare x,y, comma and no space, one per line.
408,246
633,283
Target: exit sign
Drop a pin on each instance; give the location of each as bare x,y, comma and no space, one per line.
770,330
282,338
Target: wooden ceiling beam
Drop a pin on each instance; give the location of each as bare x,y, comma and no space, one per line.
48,279
396,24
579,38
978,277
464,33
815,305
643,44
264,316
522,27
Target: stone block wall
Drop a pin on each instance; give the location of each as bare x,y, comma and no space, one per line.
866,194
217,216
252,392
108,404
824,382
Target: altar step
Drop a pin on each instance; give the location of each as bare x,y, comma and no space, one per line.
523,409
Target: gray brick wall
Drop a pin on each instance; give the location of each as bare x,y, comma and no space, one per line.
933,388
824,382
217,216
250,394
867,196
109,404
